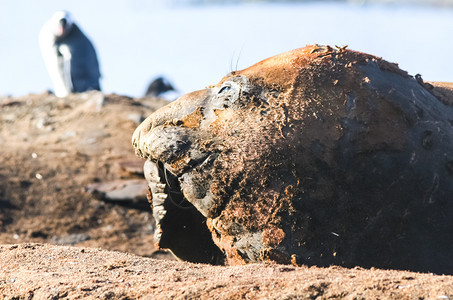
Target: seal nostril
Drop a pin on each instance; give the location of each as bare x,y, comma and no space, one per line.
181,143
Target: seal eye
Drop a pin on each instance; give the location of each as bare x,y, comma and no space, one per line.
224,89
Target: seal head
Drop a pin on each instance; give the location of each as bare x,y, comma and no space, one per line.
316,156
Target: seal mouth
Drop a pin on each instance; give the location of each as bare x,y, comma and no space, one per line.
185,164
180,227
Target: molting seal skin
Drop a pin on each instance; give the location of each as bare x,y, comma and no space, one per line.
316,156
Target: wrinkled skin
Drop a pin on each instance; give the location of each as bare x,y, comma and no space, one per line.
316,156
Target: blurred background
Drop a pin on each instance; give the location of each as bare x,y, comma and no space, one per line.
195,42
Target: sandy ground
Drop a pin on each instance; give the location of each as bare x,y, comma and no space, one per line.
53,272
52,149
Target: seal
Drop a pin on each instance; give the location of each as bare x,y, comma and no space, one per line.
317,156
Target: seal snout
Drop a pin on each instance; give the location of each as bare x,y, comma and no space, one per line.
170,124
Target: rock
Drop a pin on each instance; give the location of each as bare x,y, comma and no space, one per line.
130,167
122,191
136,118
70,239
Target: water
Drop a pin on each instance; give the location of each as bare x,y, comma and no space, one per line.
194,46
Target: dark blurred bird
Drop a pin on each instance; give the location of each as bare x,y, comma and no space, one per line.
69,56
158,87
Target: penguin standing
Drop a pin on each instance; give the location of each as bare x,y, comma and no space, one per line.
69,56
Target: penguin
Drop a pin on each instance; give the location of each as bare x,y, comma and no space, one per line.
161,87
69,56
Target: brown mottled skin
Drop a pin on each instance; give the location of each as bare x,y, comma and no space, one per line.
316,156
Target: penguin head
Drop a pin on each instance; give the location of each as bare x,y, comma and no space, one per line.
62,23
